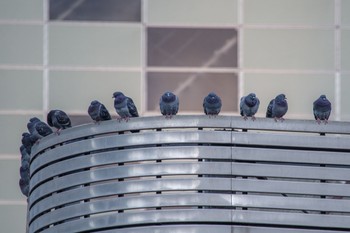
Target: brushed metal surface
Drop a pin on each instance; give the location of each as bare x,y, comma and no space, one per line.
192,174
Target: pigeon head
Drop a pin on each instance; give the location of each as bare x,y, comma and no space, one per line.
251,99
281,99
168,97
212,98
119,97
323,101
95,102
34,119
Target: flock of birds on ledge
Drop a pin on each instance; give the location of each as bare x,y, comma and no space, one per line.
169,106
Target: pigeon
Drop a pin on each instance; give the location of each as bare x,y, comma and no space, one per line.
212,104
249,106
59,120
24,154
322,109
24,170
124,106
277,107
38,129
26,142
98,112
31,124
24,186
169,104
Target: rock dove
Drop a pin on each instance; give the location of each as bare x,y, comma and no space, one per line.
24,154
124,106
31,124
212,104
249,106
98,112
24,186
322,109
277,107
169,104
38,130
58,119
24,170
26,142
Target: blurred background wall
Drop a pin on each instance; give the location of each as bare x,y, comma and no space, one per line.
62,54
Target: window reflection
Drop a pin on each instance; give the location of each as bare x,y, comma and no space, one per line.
95,10
192,47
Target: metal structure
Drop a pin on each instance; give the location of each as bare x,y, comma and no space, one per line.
192,174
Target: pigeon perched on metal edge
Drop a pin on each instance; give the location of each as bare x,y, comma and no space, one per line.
212,104
249,106
322,108
24,186
124,106
98,112
58,119
24,154
24,170
26,142
169,104
38,129
277,107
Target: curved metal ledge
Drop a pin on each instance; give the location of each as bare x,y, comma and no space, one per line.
195,173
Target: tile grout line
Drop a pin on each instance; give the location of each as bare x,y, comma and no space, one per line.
240,50
45,58
337,58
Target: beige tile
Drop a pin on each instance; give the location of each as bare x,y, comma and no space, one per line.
289,12
95,46
21,90
192,12
21,44
288,49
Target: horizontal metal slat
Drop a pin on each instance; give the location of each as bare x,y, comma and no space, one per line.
290,156
321,222
291,140
153,217
194,121
190,200
127,187
127,140
128,171
139,123
133,202
291,187
132,155
202,228
290,171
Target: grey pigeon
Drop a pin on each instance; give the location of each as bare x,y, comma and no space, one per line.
98,112
26,142
169,104
58,119
124,106
24,154
24,170
277,107
249,106
24,186
212,104
38,130
31,124
322,108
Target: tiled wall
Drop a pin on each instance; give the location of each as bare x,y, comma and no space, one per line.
63,55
